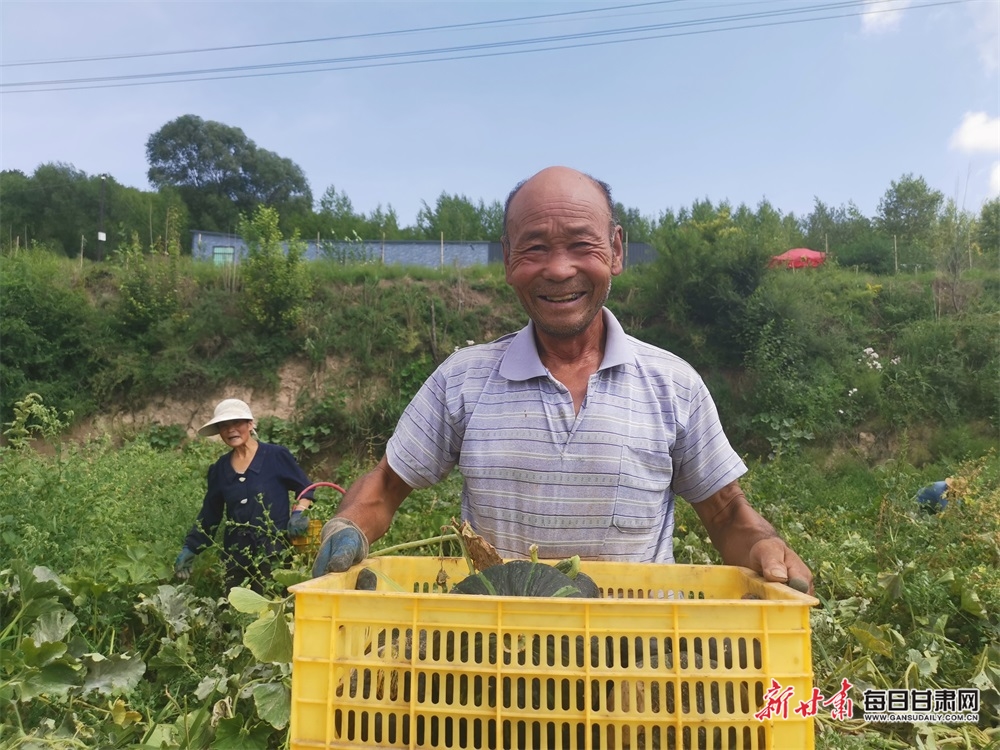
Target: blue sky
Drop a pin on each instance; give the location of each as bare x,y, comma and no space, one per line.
835,107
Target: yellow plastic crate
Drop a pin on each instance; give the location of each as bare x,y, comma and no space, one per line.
671,656
308,543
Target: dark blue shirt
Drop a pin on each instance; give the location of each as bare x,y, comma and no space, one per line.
932,498
256,503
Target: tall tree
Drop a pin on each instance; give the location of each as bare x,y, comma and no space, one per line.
58,206
61,207
15,209
458,218
952,240
336,217
907,213
820,225
222,174
384,224
988,231
849,236
636,227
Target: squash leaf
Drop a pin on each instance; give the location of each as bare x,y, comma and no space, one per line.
269,638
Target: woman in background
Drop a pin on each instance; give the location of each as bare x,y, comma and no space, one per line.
251,484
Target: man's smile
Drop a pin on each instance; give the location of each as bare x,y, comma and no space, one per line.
571,297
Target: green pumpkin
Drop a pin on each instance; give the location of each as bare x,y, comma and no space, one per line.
520,578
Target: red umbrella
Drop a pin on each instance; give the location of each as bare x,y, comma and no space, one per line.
799,257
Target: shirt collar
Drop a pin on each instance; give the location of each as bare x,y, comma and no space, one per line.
521,360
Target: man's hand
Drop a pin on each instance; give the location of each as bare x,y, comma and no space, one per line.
298,524
183,564
744,538
343,545
776,561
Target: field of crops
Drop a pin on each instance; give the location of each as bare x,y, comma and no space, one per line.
102,648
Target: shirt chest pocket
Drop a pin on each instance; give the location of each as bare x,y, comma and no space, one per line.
643,490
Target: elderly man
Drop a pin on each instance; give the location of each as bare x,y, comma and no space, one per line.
569,434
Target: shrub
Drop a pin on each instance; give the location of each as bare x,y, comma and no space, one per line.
148,289
275,285
51,334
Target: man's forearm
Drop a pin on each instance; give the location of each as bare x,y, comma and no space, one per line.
372,501
733,525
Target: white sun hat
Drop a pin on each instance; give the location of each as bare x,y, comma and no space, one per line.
227,410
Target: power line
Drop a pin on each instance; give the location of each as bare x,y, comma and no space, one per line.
471,51
455,50
447,50
345,37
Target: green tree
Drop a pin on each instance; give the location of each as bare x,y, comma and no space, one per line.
952,244
384,224
160,219
849,236
149,282
61,206
767,229
637,228
988,231
15,212
336,214
907,214
458,218
710,262
52,333
221,173
820,225
275,284
337,220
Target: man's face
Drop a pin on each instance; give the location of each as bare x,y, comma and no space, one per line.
561,250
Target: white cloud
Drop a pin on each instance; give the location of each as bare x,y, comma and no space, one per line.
882,16
978,133
995,180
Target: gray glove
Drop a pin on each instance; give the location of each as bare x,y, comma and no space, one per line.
183,564
343,545
298,524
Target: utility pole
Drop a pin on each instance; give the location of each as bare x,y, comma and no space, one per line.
100,228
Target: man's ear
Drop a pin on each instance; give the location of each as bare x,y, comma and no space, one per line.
617,251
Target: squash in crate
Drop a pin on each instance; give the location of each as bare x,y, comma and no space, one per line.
527,578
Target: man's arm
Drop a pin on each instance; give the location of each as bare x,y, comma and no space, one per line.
744,538
372,500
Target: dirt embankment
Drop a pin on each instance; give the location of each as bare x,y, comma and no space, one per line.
191,411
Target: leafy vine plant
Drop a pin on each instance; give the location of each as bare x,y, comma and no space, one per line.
32,419
269,637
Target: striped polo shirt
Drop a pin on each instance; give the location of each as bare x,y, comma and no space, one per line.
599,483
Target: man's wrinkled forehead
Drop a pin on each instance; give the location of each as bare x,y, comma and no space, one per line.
565,190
